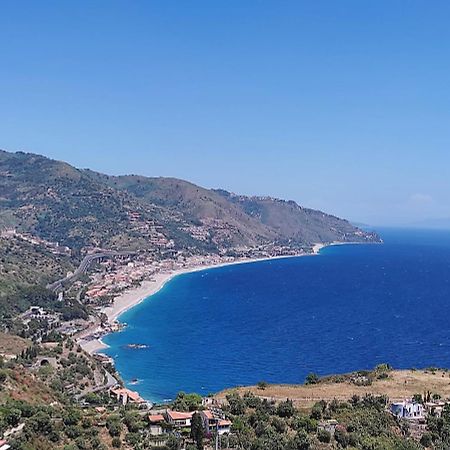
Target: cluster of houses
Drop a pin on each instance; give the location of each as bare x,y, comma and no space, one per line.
150,229
214,421
53,247
117,277
213,418
38,313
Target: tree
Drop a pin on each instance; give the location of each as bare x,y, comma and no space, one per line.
237,404
133,421
13,417
426,440
342,438
39,424
116,442
197,431
72,417
318,409
286,409
299,442
324,436
187,402
172,443
262,385
251,400
114,425
312,378
3,376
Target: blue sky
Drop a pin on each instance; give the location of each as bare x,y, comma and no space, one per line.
339,105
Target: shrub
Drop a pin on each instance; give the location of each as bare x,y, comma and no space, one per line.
342,438
262,385
324,436
318,409
251,400
237,404
426,440
286,409
3,376
116,442
312,378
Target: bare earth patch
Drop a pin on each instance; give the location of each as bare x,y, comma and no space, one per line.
399,385
12,345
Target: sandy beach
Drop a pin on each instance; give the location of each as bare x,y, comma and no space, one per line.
132,297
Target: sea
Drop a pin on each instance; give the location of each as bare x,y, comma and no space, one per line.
349,308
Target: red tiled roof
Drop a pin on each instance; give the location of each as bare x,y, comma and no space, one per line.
224,423
176,415
134,396
156,418
208,414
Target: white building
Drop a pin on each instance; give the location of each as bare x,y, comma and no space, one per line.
214,422
156,422
407,410
4,445
179,419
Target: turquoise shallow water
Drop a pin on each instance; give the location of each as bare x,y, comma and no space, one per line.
349,308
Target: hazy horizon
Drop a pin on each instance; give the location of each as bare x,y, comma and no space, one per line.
340,106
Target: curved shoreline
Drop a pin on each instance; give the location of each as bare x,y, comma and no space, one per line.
134,296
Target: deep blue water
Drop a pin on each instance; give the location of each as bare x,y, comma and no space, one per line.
349,308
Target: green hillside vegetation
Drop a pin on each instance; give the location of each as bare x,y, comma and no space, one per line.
81,208
195,205
253,220
25,264
362,423
41,398
292,222
57,202
25,269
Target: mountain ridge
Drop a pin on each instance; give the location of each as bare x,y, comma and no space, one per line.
81,208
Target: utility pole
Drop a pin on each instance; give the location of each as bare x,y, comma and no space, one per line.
217,435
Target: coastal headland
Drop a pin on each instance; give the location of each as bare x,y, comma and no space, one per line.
397,385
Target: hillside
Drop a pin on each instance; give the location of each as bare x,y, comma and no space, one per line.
224,222
248,220
81,209
395,384
292,222
60,203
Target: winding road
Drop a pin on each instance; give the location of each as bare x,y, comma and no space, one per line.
84,266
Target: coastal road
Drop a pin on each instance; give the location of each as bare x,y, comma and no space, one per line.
111,382
58,285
